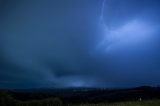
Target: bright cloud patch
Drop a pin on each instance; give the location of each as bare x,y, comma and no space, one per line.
131,33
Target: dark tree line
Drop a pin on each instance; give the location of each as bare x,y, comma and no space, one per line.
8,100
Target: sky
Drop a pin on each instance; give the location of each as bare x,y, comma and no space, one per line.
79,43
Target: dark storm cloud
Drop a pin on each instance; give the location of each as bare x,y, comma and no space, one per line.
131,42
119,12
47,43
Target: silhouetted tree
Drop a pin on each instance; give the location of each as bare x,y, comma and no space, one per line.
6,100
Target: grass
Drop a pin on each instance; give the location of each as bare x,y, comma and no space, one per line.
129,103
8,100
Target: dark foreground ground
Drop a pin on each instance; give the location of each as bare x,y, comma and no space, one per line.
140,96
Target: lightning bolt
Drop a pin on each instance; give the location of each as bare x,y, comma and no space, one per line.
102,10
103,27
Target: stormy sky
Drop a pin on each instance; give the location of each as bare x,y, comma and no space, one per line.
79,43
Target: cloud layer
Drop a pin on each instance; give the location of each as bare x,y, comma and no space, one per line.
54,43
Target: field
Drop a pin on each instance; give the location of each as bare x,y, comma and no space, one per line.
139,96
131,103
